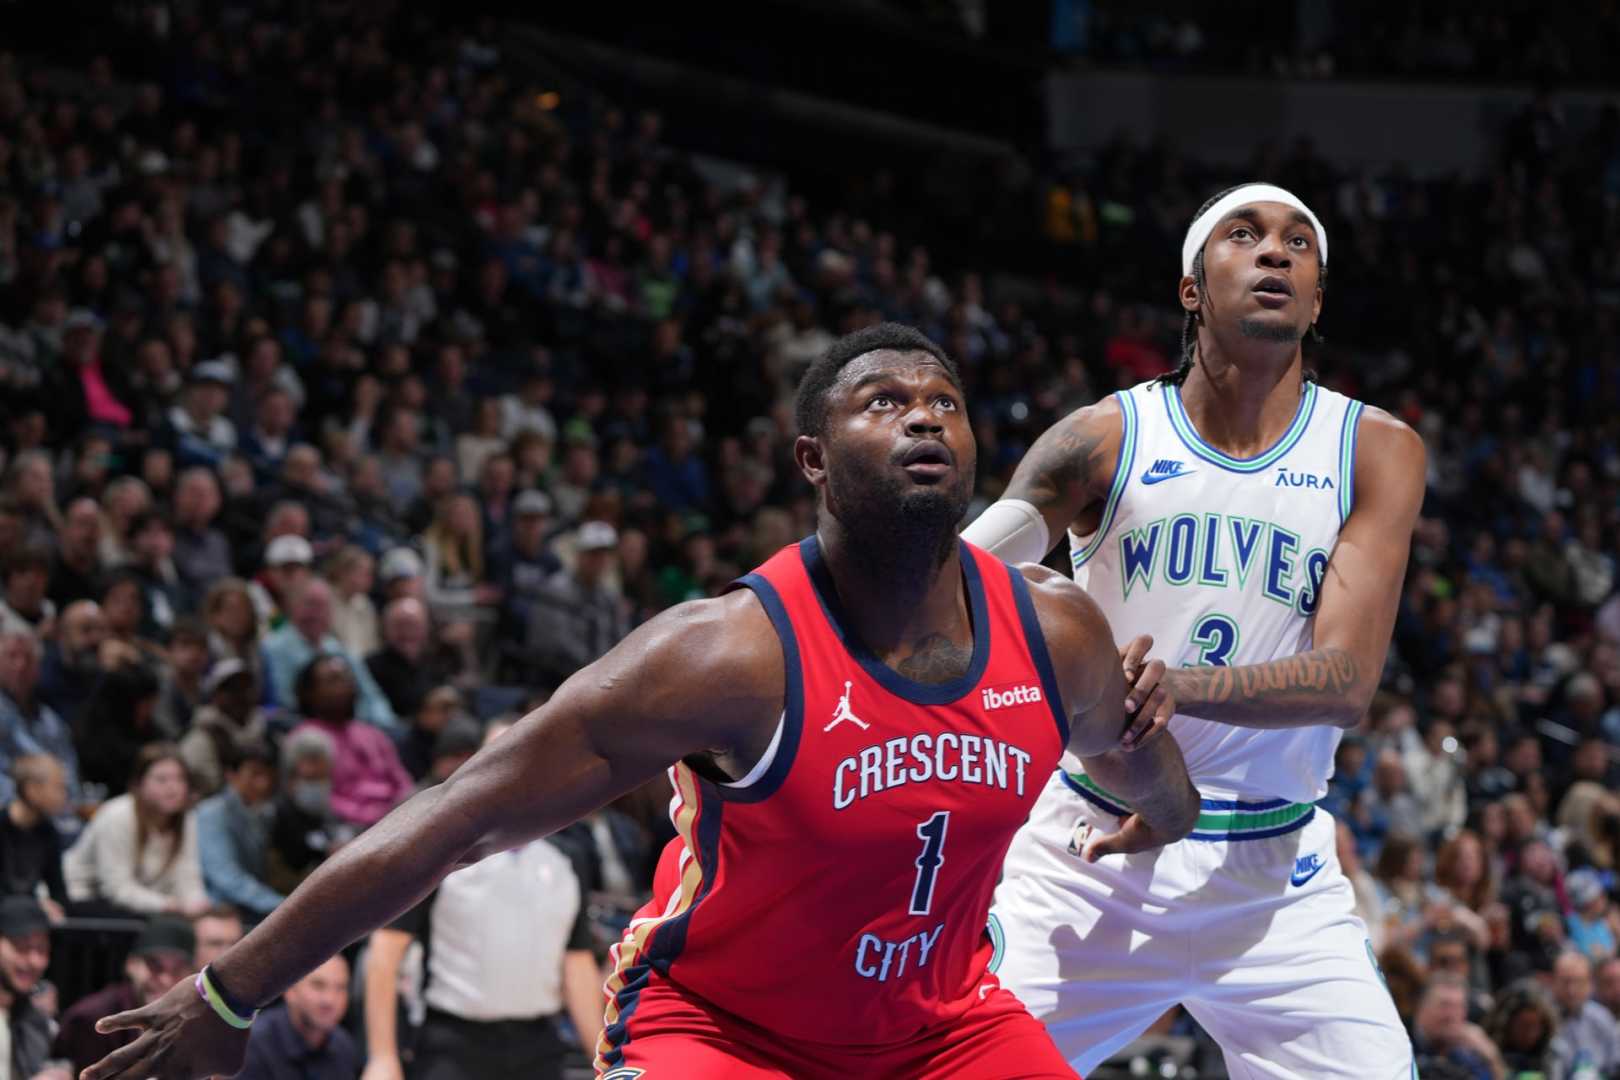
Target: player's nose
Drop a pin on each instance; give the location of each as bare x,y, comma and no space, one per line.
1273,254
923,421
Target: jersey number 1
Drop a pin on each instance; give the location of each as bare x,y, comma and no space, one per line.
932,858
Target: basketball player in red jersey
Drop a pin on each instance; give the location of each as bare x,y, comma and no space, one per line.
857,730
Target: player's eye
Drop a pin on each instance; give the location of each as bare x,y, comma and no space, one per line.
880,401
1242,232
1300,242
947,403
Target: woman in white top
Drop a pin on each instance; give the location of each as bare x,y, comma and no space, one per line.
139,853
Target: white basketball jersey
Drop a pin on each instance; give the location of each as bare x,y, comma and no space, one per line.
1221,559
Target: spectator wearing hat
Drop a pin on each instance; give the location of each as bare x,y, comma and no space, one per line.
303,1038
30,846
202,555
228,717
196,430
492,1000
402,573
288,563
24,578
25,953
308,634
1588,1037
1592,924
83,391
524,562
233,832
139,853
163,954
575,619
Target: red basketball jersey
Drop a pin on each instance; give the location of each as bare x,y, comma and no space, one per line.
839,893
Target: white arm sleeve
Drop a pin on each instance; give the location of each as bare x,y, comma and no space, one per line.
1012,530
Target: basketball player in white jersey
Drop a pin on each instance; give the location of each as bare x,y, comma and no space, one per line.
1257,525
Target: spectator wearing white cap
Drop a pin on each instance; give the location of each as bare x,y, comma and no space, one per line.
575,619
288,564
402,573
196,429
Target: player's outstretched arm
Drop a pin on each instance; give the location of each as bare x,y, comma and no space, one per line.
707,675
1070,467
1334,681
1153,778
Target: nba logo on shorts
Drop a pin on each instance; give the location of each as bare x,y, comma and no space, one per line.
624,1072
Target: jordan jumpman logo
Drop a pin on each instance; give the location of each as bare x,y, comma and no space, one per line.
842,712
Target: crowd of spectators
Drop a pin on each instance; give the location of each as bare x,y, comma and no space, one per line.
355,391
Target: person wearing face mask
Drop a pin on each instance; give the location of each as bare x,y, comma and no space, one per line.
233,833
229,715
305,830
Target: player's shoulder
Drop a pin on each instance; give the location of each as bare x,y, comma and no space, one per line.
1385,440
725,640
1069,618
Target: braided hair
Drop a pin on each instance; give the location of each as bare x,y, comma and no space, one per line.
1191,319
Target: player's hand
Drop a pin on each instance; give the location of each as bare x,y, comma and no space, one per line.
1147,698
1134,834
180,1039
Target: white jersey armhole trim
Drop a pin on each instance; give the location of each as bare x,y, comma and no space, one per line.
765,759
1083,548
1347,459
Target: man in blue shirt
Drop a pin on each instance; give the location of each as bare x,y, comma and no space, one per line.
307,634
233,833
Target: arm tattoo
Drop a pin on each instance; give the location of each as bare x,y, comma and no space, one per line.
1058,468
1320,686
936,659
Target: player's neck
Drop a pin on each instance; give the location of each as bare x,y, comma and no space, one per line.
1241,399
894,592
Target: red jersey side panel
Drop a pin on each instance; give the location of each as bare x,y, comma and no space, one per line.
840,897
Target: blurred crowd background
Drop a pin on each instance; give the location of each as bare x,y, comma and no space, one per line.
359,383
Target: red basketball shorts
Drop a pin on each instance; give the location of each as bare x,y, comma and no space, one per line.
672,1035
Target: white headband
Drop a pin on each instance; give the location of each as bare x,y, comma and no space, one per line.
1198,232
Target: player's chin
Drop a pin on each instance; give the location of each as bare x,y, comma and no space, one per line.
1279,326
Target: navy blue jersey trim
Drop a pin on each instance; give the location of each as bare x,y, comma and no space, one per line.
793,696
1037,649
895,683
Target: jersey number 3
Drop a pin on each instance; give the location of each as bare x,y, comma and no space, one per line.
932,834
1216,637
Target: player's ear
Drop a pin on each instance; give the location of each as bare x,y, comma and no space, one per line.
1188,294
812,463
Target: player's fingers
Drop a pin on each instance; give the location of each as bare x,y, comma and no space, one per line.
1148,723
1147,677
1099,843
1133,652
134,1018
132,1062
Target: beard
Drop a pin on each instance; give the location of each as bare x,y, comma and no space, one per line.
1266,330
902,531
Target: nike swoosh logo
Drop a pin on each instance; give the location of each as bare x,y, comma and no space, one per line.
1300,879
1159,478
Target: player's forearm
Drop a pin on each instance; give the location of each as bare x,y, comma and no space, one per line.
373,879
1154,781
1322,686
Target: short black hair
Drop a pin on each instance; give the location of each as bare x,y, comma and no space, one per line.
810,404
